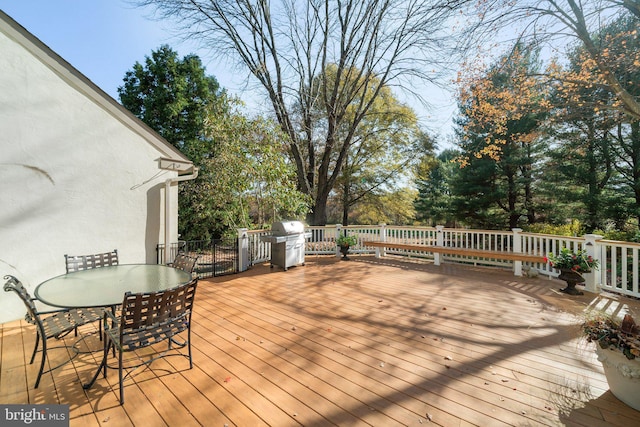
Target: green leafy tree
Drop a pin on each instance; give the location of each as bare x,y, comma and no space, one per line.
381,153
392,207
248,181
242,167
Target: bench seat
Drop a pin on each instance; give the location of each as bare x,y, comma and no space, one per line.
510,256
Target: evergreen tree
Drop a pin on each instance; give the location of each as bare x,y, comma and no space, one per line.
434,201
596,149
175,97
502,110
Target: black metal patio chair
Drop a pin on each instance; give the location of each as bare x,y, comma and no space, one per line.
49,324
88,262
184,262
147,319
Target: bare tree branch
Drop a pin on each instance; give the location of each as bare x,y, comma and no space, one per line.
549,22
288,45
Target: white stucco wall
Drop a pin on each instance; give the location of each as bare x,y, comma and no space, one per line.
74,179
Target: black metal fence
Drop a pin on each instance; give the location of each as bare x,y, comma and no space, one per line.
217,257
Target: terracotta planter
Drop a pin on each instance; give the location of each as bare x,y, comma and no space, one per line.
623,376
572,278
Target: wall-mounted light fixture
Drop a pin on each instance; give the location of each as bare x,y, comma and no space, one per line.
174,165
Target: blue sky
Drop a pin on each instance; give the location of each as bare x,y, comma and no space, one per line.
104,38
101,38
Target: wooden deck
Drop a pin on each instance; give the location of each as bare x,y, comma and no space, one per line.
366,342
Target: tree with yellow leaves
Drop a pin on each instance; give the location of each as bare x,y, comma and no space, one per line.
557,24
502,109
494,99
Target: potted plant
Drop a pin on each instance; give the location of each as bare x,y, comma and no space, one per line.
618,349
345,242
571,266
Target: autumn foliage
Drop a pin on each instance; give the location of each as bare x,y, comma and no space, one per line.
495,96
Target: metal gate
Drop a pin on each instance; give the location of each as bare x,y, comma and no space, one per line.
217,257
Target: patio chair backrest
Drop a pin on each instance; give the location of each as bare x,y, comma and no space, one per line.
15,285
87,262
185,262
151,317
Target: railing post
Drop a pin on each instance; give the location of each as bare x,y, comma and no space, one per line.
517,248
243,249
383,238
338,231
590,243
439,242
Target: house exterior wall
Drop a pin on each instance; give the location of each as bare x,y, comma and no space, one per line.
74,177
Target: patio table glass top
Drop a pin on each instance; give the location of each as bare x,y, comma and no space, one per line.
106,286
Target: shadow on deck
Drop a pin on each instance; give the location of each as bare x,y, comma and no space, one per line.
364,342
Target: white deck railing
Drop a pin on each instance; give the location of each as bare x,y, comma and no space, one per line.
618,260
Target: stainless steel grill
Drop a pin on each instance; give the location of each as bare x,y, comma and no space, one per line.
287,243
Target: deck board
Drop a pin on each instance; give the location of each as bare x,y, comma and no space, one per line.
367,342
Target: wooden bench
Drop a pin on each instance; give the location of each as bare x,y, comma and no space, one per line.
518,258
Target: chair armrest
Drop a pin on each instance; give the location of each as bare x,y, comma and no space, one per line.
109,320
47,308
60,310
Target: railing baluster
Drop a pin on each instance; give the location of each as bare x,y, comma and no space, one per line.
619,271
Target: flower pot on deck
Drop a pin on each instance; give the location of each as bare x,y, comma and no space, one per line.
572,278
344,249
623,375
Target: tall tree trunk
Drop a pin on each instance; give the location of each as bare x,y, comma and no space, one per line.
510,173
528,181
345,201
319,214
592,201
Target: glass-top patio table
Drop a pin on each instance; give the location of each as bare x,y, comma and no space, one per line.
106,286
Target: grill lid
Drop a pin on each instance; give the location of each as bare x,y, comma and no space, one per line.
285,228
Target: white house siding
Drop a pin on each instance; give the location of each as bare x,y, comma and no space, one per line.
75,177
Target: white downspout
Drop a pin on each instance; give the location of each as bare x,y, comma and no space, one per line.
167,211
